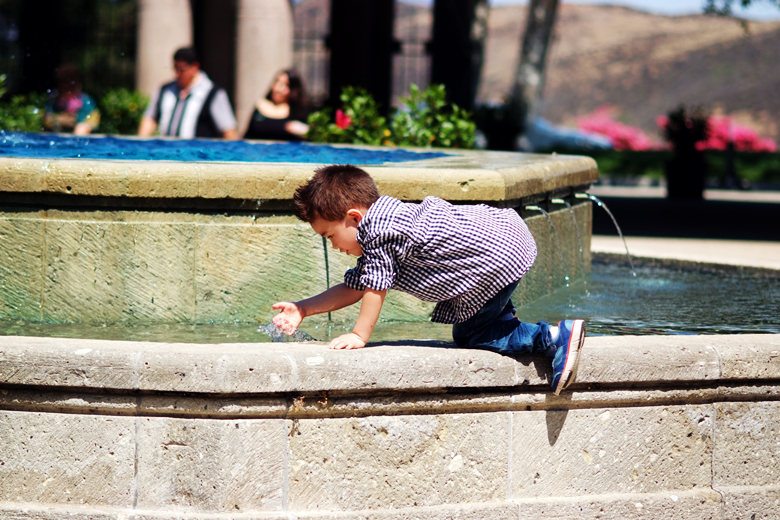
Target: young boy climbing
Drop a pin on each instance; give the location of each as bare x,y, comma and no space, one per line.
467,258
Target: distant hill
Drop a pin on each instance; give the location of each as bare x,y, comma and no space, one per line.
642,64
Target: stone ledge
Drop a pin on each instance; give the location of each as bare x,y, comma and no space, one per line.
466,175
617,362
670,505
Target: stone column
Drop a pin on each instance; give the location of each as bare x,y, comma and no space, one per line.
163,27
264,45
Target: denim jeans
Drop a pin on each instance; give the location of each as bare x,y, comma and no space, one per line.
494,327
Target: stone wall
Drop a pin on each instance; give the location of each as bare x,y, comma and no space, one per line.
679,427
100,266
90,241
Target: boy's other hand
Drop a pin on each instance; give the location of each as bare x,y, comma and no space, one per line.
349,341
289,317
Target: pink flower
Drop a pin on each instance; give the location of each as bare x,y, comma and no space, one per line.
342,120
622,136
723,129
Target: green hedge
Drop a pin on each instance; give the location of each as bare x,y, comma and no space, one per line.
120,112
754,167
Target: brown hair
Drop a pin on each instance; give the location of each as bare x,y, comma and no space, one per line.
332,191
297,99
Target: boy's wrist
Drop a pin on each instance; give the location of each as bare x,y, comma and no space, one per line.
364,338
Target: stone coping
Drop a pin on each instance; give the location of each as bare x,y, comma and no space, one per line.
622,362
466,175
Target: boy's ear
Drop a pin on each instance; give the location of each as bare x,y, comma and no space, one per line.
355,214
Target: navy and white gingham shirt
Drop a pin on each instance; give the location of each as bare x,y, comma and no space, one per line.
458,256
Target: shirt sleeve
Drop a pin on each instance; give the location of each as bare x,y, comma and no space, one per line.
352,276
380,267
151,108
222,112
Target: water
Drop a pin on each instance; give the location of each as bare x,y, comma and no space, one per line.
53,146
600,203
665,300
277,336
659,300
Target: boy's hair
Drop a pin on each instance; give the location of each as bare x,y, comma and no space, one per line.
333,191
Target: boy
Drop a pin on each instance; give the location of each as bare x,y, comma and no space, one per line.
468,259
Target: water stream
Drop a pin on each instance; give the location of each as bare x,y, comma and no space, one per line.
600,203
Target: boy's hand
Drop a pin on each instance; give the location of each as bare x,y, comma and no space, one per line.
349,341
289,317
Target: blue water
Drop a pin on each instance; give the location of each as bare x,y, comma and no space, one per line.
53,146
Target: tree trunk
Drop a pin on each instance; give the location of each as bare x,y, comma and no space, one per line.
529,77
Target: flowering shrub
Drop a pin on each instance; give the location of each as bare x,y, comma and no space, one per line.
715,133
424,119
622,136
722,129
683,128
357,121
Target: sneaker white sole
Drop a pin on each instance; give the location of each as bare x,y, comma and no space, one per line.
576,340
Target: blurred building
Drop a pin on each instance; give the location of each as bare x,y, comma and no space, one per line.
381,45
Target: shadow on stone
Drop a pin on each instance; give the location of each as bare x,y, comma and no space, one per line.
413,343
555,420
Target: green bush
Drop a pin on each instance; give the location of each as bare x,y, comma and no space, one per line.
121,110
358,121
424,119
754,167
22,113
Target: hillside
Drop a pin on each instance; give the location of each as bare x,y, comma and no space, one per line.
644,65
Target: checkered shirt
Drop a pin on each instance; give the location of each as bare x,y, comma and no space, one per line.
458,256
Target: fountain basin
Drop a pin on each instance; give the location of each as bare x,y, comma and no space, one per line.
665,427
677,427
99,241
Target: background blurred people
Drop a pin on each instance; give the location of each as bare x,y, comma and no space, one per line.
68,109
280,115
191,105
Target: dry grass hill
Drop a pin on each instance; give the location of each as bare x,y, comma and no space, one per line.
640,63
644,65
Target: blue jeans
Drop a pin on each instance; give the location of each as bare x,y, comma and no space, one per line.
495,328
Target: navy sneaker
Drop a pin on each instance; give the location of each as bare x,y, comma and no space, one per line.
571,337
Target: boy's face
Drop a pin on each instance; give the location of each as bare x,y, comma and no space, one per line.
341,233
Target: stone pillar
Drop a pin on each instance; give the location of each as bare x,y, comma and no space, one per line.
264,45
163,27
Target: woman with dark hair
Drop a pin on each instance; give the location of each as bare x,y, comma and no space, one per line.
280,115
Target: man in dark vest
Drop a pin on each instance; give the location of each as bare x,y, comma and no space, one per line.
190,106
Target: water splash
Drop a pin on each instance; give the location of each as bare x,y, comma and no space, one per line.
600,203
277,336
